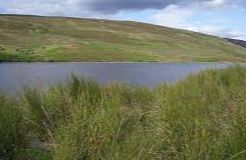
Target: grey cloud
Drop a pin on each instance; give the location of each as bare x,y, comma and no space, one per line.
97,6
106,6
113,6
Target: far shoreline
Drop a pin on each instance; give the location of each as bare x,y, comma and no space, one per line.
123,62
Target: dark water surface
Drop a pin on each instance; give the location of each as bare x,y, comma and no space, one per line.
14,76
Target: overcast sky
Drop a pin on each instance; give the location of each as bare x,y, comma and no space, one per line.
224,18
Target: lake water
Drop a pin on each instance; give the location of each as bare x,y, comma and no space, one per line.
14,76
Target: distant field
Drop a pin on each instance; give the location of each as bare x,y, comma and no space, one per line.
33,38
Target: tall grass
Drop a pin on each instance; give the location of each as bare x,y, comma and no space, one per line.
202,117
12,130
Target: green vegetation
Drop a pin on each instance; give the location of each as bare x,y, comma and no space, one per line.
33,38
201,117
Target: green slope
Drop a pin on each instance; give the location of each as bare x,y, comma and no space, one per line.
33,38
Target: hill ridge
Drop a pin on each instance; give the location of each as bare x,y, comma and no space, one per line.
41,38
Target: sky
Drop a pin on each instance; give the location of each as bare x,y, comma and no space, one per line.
223,18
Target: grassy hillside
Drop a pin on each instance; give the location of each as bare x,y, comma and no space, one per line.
200,118
33,38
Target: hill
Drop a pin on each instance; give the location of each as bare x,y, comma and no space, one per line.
36,38
237,42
